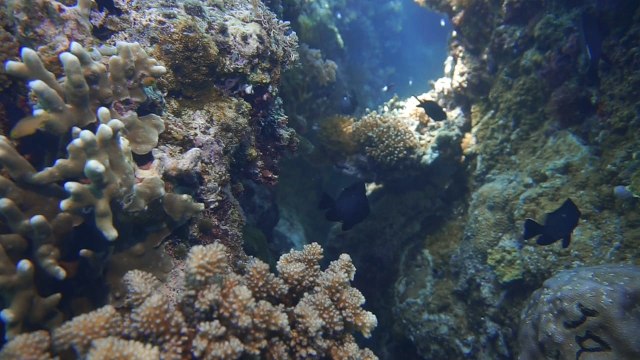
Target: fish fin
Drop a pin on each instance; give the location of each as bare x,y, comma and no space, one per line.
531,229
347,225
332,214
544,240
565,241
326,202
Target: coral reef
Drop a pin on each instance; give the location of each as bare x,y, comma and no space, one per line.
86,85
546,125
221,314
238,44
114,173
224,62
386,140
137,109
323,71
399,136
588,310
47,26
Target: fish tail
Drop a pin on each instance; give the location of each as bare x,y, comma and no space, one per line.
532,228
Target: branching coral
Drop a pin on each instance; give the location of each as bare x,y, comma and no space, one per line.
306,312
400,136
104,159
48,26
25,306
33,345
88,84
99,174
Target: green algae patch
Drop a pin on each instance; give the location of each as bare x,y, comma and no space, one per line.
506,262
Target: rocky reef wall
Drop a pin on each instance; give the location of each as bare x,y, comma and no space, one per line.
546,90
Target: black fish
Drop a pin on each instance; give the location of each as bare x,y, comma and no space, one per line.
351,207
557,225
348,103
432,109
592,34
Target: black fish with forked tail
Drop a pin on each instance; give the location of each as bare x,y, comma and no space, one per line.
350,208
558,224
432,109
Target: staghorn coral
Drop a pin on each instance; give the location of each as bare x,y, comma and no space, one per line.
296,315
82,330
588,310
111,348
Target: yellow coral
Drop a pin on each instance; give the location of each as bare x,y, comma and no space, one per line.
336,135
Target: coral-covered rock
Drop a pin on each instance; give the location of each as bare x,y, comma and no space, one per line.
590,310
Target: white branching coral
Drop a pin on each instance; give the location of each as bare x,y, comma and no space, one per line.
221,317
104,158
100,177
24,305
87,85
82,330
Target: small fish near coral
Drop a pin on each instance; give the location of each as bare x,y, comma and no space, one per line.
558,224
388,88
348,103
432,109
350,208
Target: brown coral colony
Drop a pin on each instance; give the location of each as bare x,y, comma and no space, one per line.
120,165
223,314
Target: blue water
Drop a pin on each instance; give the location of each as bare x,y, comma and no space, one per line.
402,47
